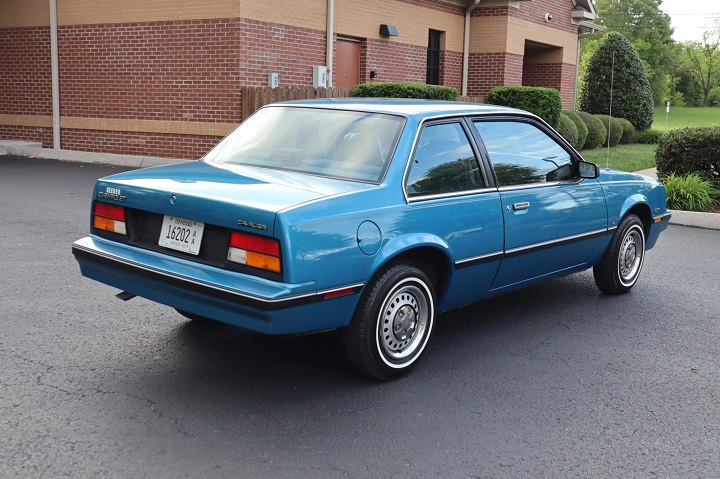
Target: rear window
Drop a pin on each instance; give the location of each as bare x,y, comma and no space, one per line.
334,143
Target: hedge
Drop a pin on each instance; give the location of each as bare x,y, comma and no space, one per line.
581,127
405,90
628,135
613,127
566,127
544,102
648,137
597,133
690,150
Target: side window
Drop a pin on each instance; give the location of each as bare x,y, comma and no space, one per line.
521,153
444,162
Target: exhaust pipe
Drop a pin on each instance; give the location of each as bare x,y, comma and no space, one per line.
125,296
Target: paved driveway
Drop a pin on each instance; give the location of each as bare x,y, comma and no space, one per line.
553,381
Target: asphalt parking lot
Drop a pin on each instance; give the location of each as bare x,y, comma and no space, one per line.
553,381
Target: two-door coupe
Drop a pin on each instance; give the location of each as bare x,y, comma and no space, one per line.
368,215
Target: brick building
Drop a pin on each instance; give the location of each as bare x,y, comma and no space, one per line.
163,77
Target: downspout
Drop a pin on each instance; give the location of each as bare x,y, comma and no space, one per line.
329,44
55,74
472,5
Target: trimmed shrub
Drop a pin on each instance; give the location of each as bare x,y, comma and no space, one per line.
628,134
597,133
581,127
544,102
613,128
632,97
648,137
566,127
690,150
405,90
691,192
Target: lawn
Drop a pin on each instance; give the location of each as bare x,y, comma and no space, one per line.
683,117
640,157
623,157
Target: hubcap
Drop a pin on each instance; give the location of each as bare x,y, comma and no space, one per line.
403,322
630,257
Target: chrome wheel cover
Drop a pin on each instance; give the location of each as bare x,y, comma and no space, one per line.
630,257
404,323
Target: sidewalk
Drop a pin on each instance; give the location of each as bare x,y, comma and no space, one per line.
35,150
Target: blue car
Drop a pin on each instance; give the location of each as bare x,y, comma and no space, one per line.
368,215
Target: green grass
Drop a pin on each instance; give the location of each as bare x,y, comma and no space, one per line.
623,157
641,157
683,117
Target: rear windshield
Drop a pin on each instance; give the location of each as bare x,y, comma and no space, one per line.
335,143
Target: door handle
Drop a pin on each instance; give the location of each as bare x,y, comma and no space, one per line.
521,206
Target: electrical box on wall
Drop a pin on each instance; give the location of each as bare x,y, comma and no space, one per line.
273,80
320,76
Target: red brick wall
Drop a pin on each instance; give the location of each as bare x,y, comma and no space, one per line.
27,133
270,47
394,62
488,70
130,143
560,76
25,75
451,69
535,12
181,71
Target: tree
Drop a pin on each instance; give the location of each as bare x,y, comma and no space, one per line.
648,29
616,63
703,60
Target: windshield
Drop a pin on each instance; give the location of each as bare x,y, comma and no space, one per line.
341,144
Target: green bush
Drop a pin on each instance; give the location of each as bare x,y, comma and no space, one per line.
544,102
597,133
405,90
568,130
691,192
648,137
581,127
631,97
628,134
690,150
613,128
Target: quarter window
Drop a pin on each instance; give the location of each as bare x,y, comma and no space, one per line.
521,153
444,162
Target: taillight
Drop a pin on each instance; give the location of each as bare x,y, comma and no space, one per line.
255,251
109,218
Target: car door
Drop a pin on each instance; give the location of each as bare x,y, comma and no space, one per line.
449,197
554,221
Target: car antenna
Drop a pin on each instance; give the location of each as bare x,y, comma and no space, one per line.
612,81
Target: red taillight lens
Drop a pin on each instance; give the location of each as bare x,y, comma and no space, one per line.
109,218
110,211
255,243
255,251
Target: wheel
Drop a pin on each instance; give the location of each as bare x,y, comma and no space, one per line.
619,268
195,317
392,322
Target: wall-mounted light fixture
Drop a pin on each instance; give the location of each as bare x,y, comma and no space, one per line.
548,17
388,30
373,74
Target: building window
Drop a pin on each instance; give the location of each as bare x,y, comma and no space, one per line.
433,58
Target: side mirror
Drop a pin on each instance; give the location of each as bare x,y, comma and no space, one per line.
588,170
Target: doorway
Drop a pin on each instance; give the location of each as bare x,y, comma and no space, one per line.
347,63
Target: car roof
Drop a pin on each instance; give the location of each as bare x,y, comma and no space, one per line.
405,107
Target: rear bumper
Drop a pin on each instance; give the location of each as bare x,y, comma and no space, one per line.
235,298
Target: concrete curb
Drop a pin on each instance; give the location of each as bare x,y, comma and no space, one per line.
34,150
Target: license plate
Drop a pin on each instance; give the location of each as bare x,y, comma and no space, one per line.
181,234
